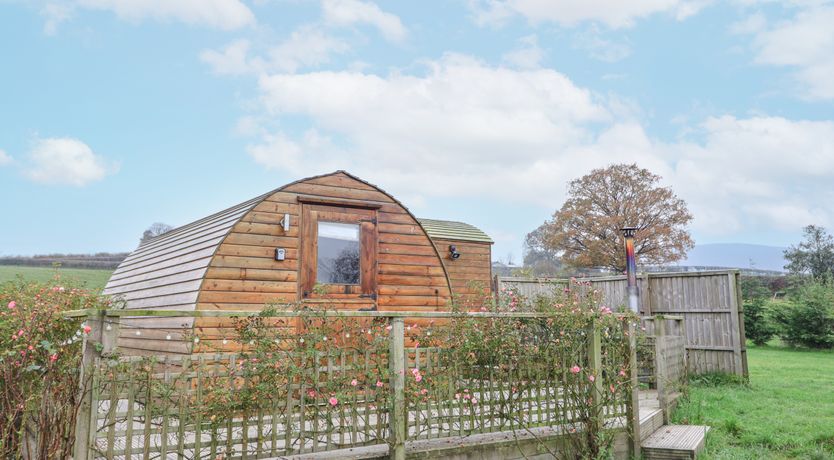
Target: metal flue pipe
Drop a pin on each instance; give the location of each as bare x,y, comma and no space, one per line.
631,269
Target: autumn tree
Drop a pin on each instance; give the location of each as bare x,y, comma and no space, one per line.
586,230
814,255
539,257
156,229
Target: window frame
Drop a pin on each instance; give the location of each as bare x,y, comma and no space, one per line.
311,215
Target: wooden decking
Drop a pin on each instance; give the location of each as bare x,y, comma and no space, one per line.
499,445
672,442
660,441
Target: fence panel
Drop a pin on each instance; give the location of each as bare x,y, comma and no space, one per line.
709,301
233,406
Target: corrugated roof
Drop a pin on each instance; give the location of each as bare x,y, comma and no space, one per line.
451,230
167,271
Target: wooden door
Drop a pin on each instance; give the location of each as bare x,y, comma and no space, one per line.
338,256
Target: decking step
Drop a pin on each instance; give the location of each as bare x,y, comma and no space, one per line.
675,442
650,421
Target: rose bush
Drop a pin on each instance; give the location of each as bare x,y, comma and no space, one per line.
475,368
40,355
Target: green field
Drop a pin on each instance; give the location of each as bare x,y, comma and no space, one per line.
90,278
787,410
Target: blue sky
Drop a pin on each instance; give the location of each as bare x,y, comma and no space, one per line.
115,114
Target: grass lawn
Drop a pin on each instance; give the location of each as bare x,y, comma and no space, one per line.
91,278
787,410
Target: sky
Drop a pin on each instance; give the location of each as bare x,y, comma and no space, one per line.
115,114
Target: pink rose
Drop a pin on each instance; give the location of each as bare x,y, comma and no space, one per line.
87,329
575,369
12,304
379,383
424,391
591,378
622,373
474,400
311,393
354,382
53,358
333,401
418,378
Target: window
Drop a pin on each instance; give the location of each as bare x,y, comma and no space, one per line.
337,255
337,260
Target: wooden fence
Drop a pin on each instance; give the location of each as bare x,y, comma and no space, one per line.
156,407
709,301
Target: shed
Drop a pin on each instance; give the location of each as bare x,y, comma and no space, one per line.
331,240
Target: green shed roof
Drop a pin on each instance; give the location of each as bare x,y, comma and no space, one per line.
451,230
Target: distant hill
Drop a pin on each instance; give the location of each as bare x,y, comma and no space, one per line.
101,260
736,255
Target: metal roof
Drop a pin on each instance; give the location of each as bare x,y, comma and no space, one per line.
167,270
451,230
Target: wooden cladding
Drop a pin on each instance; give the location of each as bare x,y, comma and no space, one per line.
400,265
470,275
228,261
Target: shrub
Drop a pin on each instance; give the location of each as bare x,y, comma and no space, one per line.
758,326
807,319
39,368
277,357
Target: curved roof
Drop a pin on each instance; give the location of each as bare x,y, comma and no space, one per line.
452,230
167,272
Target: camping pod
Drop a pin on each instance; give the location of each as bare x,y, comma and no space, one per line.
331,241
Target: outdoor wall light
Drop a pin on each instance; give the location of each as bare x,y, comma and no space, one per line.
285,223
453,252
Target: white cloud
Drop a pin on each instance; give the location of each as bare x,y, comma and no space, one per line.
757,172
528,56
350,12
308,46
805,43
218,14
5,158
613,13
463,128
66,161
55,14
598,47
233,59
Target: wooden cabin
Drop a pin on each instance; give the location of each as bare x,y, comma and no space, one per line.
332,240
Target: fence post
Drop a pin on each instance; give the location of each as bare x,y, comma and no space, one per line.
633,406
595,364
109,334
99,342
661,379
89,353
396,368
